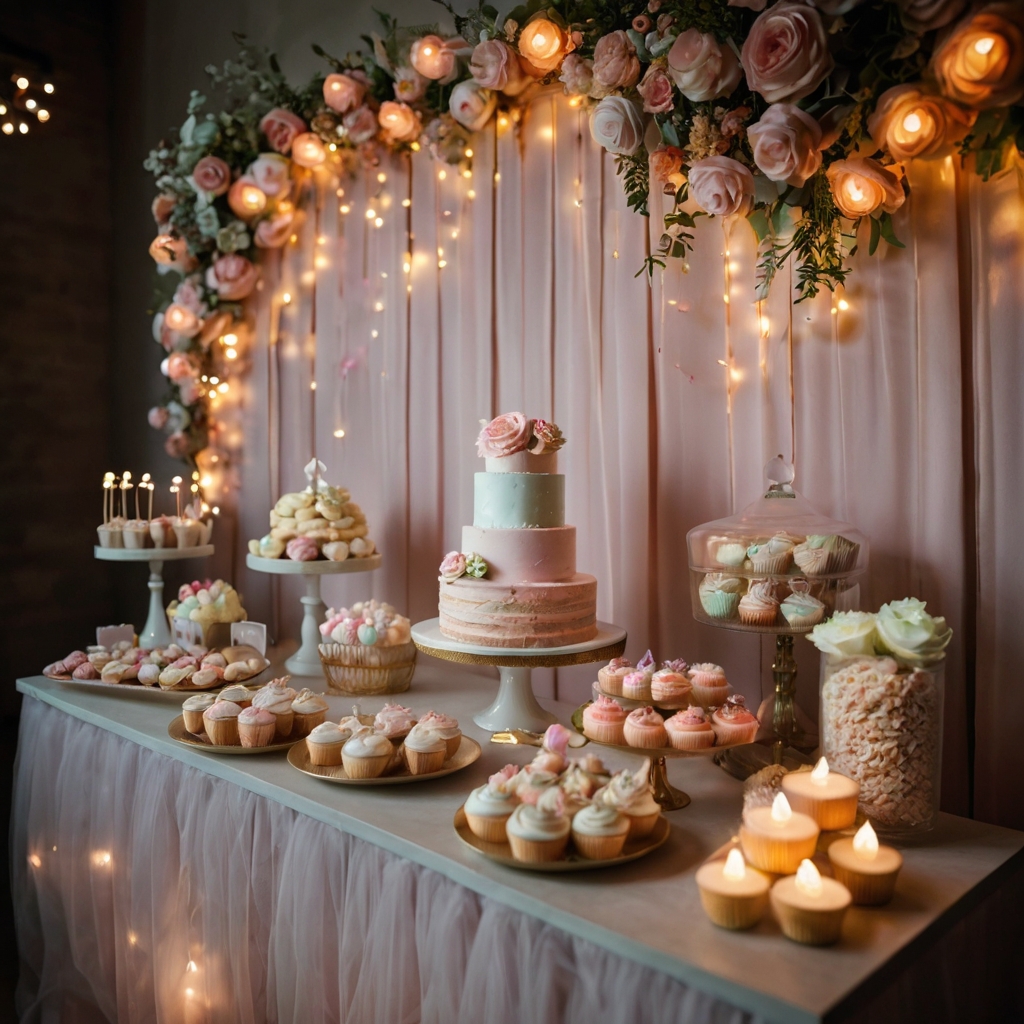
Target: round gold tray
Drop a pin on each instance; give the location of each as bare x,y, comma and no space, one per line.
298,757
177,731
572,861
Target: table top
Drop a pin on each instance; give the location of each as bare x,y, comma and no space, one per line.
648,911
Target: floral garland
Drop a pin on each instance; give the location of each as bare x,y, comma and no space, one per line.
798,116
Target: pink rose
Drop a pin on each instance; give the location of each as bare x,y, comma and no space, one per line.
275,230
615,61
472,106
178,367
182,320
212,175
246,198
665,161
862,187
453,565
232,277
556,739
786,55
361,125
163,207
431,58
272,173
494,65
280,127
504,435
785,143
720,186
702,68
618,125
189,295
910,121
343,93
190,391
925,15
399,121
656,91
169,250
157,417
410,85
577,74
176,445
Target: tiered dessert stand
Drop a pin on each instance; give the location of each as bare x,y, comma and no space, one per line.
515,706
306,660
157,631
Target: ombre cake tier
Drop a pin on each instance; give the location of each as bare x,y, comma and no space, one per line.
494,614
524,556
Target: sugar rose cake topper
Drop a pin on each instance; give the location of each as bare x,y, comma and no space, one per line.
512,432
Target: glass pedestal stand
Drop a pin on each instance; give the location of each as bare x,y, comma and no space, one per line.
157,630
306,660
515,706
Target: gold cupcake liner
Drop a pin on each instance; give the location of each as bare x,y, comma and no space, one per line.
222,732
283,724
599,847
810,927
777,856
641,825
365,767
193,721
423,762
604,732
735,912
305,724
867,890
324,755
256,735
491,829
645,739
537,851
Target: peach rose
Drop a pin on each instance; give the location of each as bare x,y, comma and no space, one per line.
786,55
618,125
495,65
343,93
246,198
308,150
275,230
785,143
280,127
666,161
911,122
542,43
981,63
212,175
172,251
578,75
615,61
431,58
926,15
720,186
214,326
471,106
163,206
410,85
861,187
182,320
272,173
178,367
399,121
232,277
453,566
656,91
702,68
361,125
504,435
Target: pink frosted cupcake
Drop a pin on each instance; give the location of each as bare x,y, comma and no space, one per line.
637,686
645,728
710,687
603,721
256,727
759,606
670,684
610,677
394,721
447,728
690,730
733,723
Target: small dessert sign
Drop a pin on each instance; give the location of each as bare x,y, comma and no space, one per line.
253,634
108,636
186,632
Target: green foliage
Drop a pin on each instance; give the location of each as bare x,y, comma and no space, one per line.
636,180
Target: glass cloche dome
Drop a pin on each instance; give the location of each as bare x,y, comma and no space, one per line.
779,566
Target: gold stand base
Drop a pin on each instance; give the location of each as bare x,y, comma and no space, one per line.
668,797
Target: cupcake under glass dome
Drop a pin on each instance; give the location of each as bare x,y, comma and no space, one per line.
779,566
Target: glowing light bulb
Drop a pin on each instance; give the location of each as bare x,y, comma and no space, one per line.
843,305
865,842
539,40
820,773
471,194
101,858
407,203
984,45
286,298
308,150
132,938
35,860
232,353
191,968
312,385
427,51
339,433
735,866
808,879
378,307
8,128
469,154
912,122
3,109
441,175
31,104
344,208
765,324
23,128
378,222
229,339
370,213
781,811
22,82
48,88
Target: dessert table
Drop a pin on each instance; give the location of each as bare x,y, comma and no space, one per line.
156,882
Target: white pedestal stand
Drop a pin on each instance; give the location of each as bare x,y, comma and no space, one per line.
306,660
515,706
157,631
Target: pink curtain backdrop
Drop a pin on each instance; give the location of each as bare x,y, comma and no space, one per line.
899,405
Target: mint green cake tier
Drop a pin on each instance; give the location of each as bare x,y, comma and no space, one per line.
516,501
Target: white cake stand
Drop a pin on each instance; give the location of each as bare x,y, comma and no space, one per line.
515,706
157,631
306,660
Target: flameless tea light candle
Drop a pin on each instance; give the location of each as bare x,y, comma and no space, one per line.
826,796
866,868
733,895
810,909
776,838
176,491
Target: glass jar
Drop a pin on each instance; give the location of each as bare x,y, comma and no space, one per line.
881,724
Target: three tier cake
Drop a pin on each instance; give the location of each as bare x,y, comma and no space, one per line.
514,583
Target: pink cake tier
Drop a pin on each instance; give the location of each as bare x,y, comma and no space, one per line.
494,614
524,556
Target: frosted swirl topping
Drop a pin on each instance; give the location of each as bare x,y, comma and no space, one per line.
800,603
762,593
277,694
735,711
444,725
198,702
618,664
606,709
367,743
600,820
327,732
424,740
720,583
255,716
222,709
236,693
307,702
627,789
708,674
541,821
489,801
394,720
692,716
676,665
645,717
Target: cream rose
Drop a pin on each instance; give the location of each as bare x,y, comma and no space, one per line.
410,85
231,277
618,125
472,106
431,58
577,74
212,175
861,187
720,186
846,635
656,91
910,634
399,121
171,251
275,230
981,63
280,127
911,122
615,61
343,93
702,68
785,143
926,15
785,55
453,566
665,161
360,124
504,435
495,65
272,173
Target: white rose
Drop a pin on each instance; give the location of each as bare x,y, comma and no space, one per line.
472,106
846,635
910,634
618,125
270,171
701,67
785,144
720,185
